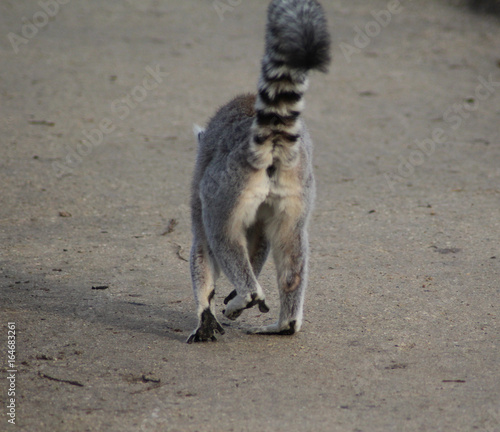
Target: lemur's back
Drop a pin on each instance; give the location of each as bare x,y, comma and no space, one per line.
253,185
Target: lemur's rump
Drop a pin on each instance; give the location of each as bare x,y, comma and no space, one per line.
253,185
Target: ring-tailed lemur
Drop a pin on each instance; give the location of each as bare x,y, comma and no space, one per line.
253,185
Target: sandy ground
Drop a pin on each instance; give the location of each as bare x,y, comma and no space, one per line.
401,333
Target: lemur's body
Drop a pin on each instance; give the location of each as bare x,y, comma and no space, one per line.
253,186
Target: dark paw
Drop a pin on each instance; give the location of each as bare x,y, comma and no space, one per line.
207,328
261,303
289,331
235,314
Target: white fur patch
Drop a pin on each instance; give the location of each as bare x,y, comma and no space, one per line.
198,131
275,87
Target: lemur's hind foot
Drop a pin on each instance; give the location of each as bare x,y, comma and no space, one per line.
276,329
236,304
206,329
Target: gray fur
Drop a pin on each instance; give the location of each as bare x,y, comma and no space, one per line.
253,187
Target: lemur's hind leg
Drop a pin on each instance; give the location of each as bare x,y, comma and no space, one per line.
290,256
235,261
204,273
258,250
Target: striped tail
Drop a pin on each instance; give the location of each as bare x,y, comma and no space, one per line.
297,41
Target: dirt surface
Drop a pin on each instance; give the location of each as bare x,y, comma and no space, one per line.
401,331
